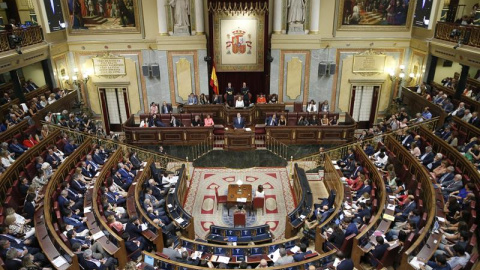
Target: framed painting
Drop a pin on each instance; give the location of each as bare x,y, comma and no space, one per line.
90,17
375,15
238,42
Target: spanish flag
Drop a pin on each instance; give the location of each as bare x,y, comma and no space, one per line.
214,80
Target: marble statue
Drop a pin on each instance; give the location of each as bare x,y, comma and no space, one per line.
296,11
181,11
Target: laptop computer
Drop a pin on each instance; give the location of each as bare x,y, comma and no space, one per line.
149,260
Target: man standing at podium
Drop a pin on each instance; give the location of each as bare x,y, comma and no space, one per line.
238,122
244,91
230,91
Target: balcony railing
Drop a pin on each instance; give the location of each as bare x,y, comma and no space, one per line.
30,35
469,34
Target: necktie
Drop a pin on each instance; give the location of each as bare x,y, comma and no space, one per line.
423,5
53,6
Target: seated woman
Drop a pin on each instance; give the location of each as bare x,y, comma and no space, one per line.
261,99
324,121
259,192
282,121
273,99
203,99
153,108
312,106
197,122
325,107
334,121
174,122
208,122
314,121
239,102
414,150
302,121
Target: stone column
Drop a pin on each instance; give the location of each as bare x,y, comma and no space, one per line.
199,17
314,16
17,86
277,16
162,18
462,82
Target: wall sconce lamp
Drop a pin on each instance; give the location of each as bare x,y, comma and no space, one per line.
393,76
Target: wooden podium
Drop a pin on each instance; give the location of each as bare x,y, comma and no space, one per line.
239,139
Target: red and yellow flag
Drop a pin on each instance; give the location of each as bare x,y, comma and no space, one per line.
214,80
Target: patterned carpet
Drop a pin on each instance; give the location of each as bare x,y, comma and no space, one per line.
201,203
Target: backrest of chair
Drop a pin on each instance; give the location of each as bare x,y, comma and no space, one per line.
239,218
298,106
258,202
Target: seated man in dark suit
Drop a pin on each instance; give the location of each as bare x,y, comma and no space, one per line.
17,148
136,162
77,222
94,264
69,147
239,122
97,158
166,108
271,120
343,162
134,230
300,255
132,246
427,157
379,250
408,206
345,264
185,259
12,259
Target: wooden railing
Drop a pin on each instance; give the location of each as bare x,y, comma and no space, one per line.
175,202
428,194
48,213
161,160
12,173
332,181
469,34
303,193
134,206
121,253
30,35
321,261
380,196
66,102
28,97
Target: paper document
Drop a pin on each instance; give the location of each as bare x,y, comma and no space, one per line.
302,217
441,219
144,227
391,207
248,129
87,209
242,200
179,220
295,249
388,217
169,205
214,258
336,262
336,167
144,164
275,255
59,261
98,235
196,254
416,263
391,197
98,173
223,259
